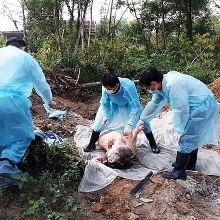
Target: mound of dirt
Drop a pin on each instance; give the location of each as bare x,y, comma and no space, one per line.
160,199
215,87
196,198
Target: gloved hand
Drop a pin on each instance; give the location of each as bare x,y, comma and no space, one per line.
127,130
177,136
140,123
105,121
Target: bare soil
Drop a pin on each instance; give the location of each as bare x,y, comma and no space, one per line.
196,198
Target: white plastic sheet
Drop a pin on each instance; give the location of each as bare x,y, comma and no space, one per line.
97,175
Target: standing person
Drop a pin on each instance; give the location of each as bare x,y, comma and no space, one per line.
119,109
196,114
19,73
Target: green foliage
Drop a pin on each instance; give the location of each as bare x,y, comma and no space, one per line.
47,55
196,59
53,159
51,173
41,207
127,48
90,71
216,24
35,43
2,41
22,180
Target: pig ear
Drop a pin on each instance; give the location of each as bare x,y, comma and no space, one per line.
124,152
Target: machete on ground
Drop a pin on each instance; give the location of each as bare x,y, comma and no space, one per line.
141,184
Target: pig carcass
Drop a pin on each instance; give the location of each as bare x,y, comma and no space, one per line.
119,149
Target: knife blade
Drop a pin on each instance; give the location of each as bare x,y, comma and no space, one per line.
141,184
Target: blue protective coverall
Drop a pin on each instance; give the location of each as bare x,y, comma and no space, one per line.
19,74
121,108
196,112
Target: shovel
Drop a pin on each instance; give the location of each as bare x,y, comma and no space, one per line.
141,184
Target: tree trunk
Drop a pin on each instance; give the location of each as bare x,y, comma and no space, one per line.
163,27
189,20
57,27
82,8
90,24
71,38
110,17
24,21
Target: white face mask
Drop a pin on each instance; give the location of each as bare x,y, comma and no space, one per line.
153,92
113,90
109,91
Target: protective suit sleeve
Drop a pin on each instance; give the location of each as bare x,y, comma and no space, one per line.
105,102
39,82
179,101
153,107
133,99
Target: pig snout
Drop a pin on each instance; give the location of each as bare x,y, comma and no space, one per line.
103,159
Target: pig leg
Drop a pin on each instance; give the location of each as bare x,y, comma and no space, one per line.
136,131
132,138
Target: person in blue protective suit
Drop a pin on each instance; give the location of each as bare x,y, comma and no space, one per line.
19,73
119,109
196,114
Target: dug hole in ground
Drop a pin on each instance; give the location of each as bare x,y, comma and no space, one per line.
196,198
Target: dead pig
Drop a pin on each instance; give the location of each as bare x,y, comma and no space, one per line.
119,149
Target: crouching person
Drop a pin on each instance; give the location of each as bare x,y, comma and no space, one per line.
196,114
119,109
19,73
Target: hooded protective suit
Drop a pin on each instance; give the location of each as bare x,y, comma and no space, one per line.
19,73
121,108
196,112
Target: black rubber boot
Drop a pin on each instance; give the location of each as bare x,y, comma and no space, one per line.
179,171
152,143
91,146
192,161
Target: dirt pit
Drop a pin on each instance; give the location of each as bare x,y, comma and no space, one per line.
196,198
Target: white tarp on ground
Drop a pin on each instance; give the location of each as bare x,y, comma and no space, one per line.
97,175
